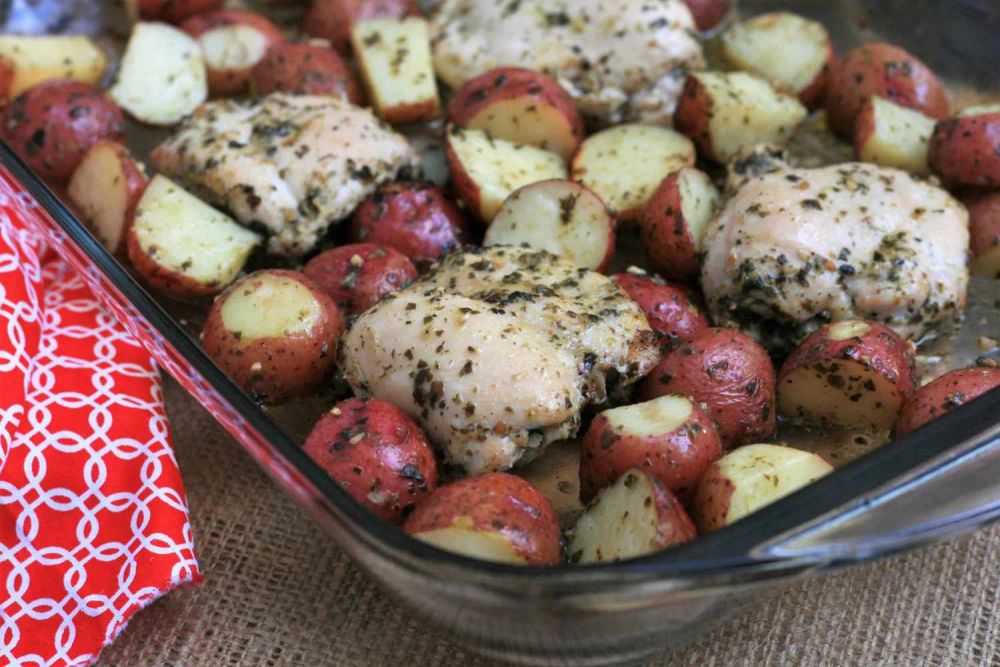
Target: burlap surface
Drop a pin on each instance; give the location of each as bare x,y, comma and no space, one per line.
279,592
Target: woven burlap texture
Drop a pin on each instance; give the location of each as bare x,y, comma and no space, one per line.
279,592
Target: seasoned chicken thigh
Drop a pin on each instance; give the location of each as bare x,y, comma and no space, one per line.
621,61
496,351
292,165
798,247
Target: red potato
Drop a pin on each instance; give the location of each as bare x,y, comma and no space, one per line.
673,221
984,229
943,395
623,165
965,150
560,216
233,42
670,311
749,478
793,53
521,106
892,135
635,516
357,275
882,70
496,517
485,170
332,19
182,246
708,13
53,125
414,218
729,373
106,188
305,69
725,112
171,11
851,373
377,454
274,333
28,60
669,437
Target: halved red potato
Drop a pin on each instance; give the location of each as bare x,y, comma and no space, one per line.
332,19
305,69
673,221
730,374
708,13
377,454
669,437
28,60
183,246
753,161
394,56
560,216
790,51
984,232
162,77
171,11
522,106
232,42
724,112
939,397
851,373
635,516
496,517
274,333
625,164
749,478
486,170
892,135
882,70
106,189
357,275
669,309
965,150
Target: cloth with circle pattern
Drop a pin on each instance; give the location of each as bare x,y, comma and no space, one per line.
93,517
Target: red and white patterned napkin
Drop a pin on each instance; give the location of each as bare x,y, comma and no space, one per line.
93,517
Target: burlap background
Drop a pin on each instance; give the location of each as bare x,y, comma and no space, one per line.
279,592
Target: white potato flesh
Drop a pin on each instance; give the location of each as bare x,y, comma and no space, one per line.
848,329
699,199
659,416
747,110
41,58
625,164
899,139
979,110
180,233
99,188
561,217
788,50
864,400
394,55
530,121
483,545
497,167
270,306
621,523
162,76
233,47
762,474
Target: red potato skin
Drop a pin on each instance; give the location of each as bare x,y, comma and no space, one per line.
966,150
332,19
943,395
305,69
728,372
708,13
714,490
881,70
813,95
357,284
678,460
291,366
6,79
496,502
377,454
175,11
505,83
53,125
692,116
984,222
414,218
674,526
666,236
670,311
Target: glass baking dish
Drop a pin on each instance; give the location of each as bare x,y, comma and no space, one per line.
927,486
